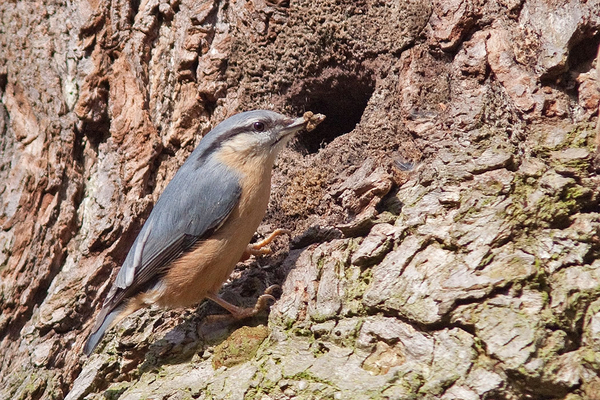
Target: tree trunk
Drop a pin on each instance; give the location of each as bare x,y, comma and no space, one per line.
444,217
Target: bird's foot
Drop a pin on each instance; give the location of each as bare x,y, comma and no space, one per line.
242,313
260,248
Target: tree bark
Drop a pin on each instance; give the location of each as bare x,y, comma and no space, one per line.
445,215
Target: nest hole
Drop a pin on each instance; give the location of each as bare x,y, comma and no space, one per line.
342,96
583,54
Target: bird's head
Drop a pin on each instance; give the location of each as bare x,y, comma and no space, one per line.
259,133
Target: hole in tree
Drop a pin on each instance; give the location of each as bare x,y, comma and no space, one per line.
583,54
341,95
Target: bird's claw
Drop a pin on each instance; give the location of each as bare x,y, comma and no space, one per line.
271,289
262,303
260,248
242,313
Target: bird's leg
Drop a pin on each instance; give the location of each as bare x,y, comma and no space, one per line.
258,248
242,313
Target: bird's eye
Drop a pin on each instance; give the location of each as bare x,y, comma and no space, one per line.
259,126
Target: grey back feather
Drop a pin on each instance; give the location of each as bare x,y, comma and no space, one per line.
194,204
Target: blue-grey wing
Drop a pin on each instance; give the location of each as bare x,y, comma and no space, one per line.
194,204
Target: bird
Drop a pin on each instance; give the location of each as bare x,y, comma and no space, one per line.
203,222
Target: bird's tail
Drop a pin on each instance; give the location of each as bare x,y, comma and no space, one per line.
106,319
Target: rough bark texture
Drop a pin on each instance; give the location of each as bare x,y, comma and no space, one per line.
473,275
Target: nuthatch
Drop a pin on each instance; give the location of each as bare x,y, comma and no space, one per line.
202,223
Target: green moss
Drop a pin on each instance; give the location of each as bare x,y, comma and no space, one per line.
352,245
473,211
577,193
413,381
591,358
577,135
321,262
357,288
302,332
307,376
579,164
366,277
554,344
582,135
115,391
320,317
490,187
385,217
240,347
536,207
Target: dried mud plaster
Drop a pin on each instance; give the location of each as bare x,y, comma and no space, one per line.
312,120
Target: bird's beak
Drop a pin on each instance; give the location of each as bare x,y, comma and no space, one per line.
293,126
290,128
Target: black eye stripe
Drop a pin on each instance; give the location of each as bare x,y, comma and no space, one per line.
225,137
